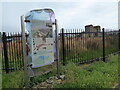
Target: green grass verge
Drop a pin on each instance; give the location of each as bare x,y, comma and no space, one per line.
13,80
16,79
97,75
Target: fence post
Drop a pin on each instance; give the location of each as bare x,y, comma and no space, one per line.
4,39
119,40
103,32
63,48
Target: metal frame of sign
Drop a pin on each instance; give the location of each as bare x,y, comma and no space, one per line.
26,76
24,51
56,47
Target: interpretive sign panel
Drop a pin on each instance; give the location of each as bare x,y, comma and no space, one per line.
41,27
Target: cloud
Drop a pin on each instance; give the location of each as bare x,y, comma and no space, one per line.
69,14
97,13
59,0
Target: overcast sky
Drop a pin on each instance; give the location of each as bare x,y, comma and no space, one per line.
69,14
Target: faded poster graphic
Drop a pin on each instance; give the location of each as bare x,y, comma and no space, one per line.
42,43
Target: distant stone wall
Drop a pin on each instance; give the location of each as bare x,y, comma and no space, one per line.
91,28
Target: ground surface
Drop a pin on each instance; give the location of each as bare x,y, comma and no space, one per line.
95,75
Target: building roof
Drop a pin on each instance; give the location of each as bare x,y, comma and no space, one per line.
96,26
88,25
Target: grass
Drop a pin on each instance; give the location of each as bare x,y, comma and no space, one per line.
16,79
97,75
0,78
13,80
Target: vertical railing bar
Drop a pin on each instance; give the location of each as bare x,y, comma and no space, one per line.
18,50
91,37
22,61
79,40
5,52
73,44
83,44
21,55
17,62
2,54
86,37
20,44
103,30
14,51
98,45
70,45
119,40
63,46
66,45
15,48
9,54
79,45
3,59
11,51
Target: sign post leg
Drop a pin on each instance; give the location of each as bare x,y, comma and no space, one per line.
56,47
24,52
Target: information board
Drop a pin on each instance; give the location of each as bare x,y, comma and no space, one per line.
41,29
